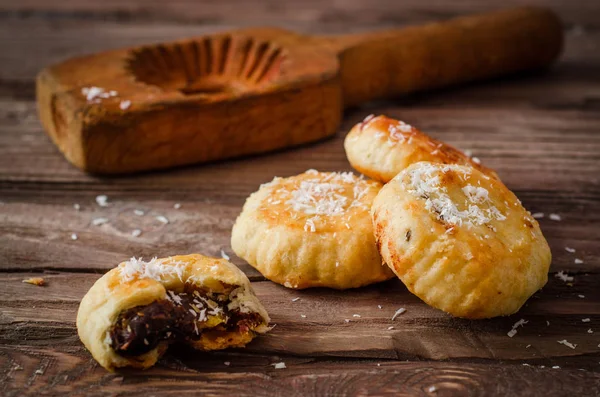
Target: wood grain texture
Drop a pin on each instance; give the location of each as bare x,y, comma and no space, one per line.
539,131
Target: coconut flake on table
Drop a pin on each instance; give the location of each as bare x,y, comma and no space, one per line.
585,320
578,261
398,313
74,236
303,315
76,206
538,215
102,200
136,233
177,206
138,212
567,343
162,219
555,217
563,276
280,365
570,250
516,325
356,315
581,296
295,299
99,221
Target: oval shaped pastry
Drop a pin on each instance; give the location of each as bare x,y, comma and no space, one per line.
460,240
381,147
311,230
132,313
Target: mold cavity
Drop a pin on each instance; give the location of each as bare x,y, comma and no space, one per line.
209,66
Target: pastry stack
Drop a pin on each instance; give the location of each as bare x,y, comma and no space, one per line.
445,225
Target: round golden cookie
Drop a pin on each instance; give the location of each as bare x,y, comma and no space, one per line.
460,240
133,313
381,147
312,230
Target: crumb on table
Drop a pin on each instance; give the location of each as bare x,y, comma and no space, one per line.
35,281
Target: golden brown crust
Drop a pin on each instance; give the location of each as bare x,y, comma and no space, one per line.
460,240
137,283
311,230
380,147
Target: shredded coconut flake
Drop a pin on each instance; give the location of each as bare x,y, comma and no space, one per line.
555,217
563,276
398,313
124,105
154,269
177,206
76,206
590,331
303,315
139,212
520,323
581,296
585,320
538,215
99,221
570,250
512,333
555,367
356,315
390,328
476,160
295,299
280,365
424,181
578,261
73,236
567,343
227,363
224,255
102,200
96,94
162,219
136,233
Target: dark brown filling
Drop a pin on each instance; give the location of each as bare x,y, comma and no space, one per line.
180,318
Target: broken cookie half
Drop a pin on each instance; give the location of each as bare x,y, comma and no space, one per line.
135,311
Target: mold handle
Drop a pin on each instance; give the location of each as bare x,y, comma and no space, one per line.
390,63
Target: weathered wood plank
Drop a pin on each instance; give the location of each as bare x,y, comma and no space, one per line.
46,315
273,11
20,65
34,371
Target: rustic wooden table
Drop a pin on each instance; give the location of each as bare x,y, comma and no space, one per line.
540,132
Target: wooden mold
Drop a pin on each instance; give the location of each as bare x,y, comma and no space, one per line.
257,90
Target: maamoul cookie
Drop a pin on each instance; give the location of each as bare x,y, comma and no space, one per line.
460,240
132,313
381,147
311,230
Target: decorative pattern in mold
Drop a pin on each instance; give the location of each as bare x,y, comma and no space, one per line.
213,65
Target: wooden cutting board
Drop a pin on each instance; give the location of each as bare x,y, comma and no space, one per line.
541,135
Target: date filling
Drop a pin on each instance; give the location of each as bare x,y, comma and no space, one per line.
181,318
